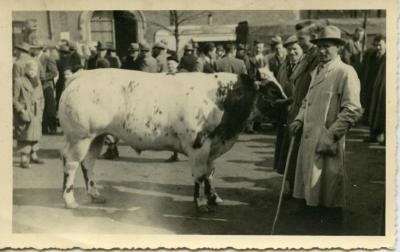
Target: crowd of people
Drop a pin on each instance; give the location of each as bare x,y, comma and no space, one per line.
330,83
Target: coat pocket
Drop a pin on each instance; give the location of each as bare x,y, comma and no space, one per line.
326,144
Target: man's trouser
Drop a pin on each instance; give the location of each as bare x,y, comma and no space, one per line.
49,122
27,147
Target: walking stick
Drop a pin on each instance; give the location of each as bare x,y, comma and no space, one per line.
278,208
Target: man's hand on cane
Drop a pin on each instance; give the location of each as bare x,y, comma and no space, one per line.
295,126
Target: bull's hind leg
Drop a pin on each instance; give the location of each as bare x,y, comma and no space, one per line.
209,189
88,169
73,154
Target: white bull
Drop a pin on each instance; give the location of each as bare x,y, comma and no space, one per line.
199,115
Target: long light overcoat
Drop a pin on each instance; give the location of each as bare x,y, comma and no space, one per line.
331,107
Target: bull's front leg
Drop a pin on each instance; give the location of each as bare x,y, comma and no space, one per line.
212,197
200,198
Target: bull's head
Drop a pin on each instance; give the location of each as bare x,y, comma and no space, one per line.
270,94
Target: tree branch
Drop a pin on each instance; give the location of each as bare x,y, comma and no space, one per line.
192,17
160,25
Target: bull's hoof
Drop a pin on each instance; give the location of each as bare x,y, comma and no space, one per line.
71,205
214,200
98,199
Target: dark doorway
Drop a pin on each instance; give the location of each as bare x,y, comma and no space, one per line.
125,31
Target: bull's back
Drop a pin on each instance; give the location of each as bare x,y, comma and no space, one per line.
140,107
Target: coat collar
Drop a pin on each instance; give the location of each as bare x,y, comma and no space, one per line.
317,79
299,69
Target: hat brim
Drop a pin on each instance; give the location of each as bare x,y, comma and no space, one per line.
290,43
22,49
338,41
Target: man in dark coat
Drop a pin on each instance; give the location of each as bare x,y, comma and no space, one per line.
373,88
75,57
49,66
352,52
99,60
278,55
62,64
242,55
229,63
131,61
188,61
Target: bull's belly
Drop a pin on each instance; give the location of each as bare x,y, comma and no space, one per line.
147,140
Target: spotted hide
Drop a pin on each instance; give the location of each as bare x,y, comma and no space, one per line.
197,114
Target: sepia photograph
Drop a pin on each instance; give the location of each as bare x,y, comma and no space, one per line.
259,122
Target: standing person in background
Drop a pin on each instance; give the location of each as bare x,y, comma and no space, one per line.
219,52
75,57
188,61
22,56
195,49
278,55
304,36
112,57
146,62
242,55
62,64
49,66
172,64
28,104
99,60
257,60
160,54
352,52
131,61
373,89
229,63
205,63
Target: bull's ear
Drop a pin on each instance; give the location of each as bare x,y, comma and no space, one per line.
247,81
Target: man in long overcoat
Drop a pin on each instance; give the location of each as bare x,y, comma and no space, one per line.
294,77
49,67
373,89
332,105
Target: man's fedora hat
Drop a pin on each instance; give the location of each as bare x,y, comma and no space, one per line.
291,40
329,33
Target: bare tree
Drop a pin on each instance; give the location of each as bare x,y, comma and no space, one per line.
178,18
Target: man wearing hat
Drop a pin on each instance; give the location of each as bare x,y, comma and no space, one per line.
22,56
50,72
131,61
294,78
278,56
160,54
147,63
99,60
330,108
189,60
